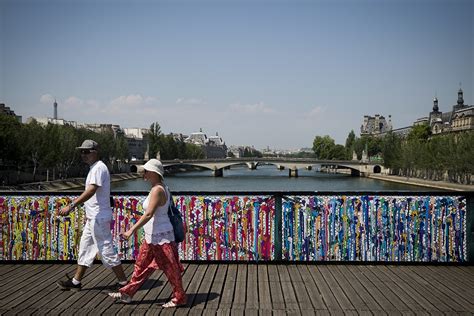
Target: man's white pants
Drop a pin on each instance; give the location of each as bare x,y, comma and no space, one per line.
97,238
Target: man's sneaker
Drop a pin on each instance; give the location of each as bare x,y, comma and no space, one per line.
68,285
119,297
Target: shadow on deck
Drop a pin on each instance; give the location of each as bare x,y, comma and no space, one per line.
249,289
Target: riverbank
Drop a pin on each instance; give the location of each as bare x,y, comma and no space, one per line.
65,184
424,183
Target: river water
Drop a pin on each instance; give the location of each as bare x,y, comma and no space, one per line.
267,178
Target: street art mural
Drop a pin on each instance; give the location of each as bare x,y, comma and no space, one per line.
218,228
374,228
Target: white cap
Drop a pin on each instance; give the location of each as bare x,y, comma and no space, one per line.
89,144
154,165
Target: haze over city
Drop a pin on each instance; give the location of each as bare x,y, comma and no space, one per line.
262,73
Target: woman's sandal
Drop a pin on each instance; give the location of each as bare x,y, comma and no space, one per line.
172,304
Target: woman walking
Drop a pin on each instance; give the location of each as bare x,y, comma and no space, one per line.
158,250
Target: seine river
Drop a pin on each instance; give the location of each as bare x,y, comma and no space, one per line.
267,178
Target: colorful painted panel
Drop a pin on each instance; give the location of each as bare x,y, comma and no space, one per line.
228,228
374,228
218,228
30,230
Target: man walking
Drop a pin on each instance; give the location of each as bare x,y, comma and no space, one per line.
96,236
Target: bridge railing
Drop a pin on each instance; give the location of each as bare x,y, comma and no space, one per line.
260,226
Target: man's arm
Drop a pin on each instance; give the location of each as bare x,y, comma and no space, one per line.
86,195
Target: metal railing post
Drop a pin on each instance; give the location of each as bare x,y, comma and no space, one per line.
470,227
278,227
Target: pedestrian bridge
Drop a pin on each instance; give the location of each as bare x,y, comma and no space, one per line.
255,253
217,166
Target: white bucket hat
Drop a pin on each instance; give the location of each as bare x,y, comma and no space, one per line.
154,165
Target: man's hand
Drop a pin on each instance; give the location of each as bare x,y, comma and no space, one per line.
65,210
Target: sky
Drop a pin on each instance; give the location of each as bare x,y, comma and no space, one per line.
261,73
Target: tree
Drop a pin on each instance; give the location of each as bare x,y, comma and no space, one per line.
154,139
9,142
350,143
391,150
33,145
322,146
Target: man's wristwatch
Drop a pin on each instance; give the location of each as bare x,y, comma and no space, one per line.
73,205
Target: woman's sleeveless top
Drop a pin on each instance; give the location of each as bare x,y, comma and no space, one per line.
158,230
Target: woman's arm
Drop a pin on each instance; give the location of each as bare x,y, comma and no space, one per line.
157,197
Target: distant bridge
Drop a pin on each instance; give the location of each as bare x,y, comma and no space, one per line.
217,166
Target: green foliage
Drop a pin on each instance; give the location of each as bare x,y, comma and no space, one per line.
252,152
9,139
435,157
322,146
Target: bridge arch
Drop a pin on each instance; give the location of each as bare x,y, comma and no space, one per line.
377,169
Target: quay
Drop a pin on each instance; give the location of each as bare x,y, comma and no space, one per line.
249,289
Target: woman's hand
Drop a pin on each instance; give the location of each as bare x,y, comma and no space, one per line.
126,235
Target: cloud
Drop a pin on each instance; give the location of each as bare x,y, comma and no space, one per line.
251,108
74,102
47,99
190,101
133,100
317,111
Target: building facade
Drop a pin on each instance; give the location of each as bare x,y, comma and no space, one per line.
460,118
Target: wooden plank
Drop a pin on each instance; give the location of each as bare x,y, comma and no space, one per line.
203,293
446,277
329,298
252,288
335,288
464,275
48,304
372,289
240,293
385,289
397,288
433,291
229,288
90,288
424,289
264,296
291,302
101,302
194,284
418,302
216,288
17,282
6,268
314,293
361,291
449,293
409,278
278,302
341,277
302,297
21,300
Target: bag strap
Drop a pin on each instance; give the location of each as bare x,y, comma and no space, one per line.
171,203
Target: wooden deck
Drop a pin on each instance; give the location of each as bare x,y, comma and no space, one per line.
249,289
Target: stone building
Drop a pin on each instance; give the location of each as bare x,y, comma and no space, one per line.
460,118
213,146
7,111
375,125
